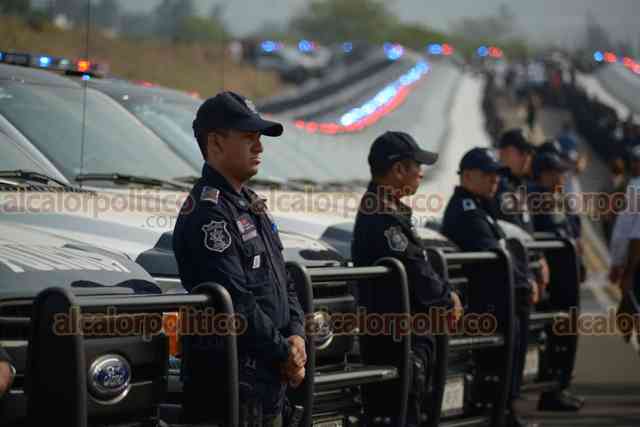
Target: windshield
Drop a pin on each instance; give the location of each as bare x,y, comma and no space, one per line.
114,141
12,157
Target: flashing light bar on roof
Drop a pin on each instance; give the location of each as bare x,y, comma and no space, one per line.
44,61
394,51
628,62
306,46
610,57
483,51
447,49
269,46
435,49
369,113
495,52
83,65
347,47
598,56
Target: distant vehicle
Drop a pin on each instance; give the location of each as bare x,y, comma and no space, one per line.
293,64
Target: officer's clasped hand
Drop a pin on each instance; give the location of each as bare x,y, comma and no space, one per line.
293,370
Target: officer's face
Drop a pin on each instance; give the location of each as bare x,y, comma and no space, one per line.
409,174
483,184
516,160
238,153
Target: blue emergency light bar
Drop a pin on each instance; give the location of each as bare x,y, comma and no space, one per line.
80,67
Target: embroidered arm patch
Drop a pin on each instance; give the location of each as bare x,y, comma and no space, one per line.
216,236
396,239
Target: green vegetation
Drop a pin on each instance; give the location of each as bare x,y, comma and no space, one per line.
190,64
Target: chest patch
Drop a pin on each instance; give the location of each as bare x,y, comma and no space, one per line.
396,239
216,236
468,204
247,228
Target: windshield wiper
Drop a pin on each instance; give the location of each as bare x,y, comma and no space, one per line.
34,176
126,179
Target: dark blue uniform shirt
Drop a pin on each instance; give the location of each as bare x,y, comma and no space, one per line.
229,238
511,204
549,216
383,228
471,223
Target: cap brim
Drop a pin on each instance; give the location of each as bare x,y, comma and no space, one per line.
257,124
425,157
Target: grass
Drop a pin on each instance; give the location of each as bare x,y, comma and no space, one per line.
201,68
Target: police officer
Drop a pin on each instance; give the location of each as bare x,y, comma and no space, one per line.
470,221
549,173
554,148
384,228
224,234
516,153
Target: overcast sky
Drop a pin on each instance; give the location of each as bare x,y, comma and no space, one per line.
541,20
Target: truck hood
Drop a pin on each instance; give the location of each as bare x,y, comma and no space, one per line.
142,232
32,259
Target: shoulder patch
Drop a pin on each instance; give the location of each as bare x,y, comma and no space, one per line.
210,194
468,204
216,236
396,239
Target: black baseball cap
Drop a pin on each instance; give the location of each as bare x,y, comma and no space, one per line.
228,110
393,146
483,159
516,138
548,161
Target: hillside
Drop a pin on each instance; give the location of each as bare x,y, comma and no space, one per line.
189,67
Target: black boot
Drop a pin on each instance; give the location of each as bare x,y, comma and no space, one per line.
559,400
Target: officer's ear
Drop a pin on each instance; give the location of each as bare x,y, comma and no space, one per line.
214,144
398,170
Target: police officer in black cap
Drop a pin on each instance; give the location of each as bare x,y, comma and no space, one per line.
549,173
384,228
224,234
470,221
516,153
554,149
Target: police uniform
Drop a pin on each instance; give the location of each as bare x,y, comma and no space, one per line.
228,237
384,228
389,232
551,216
471,223
511,194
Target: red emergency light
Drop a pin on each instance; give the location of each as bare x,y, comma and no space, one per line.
495,52
447,49
83,65
610,57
